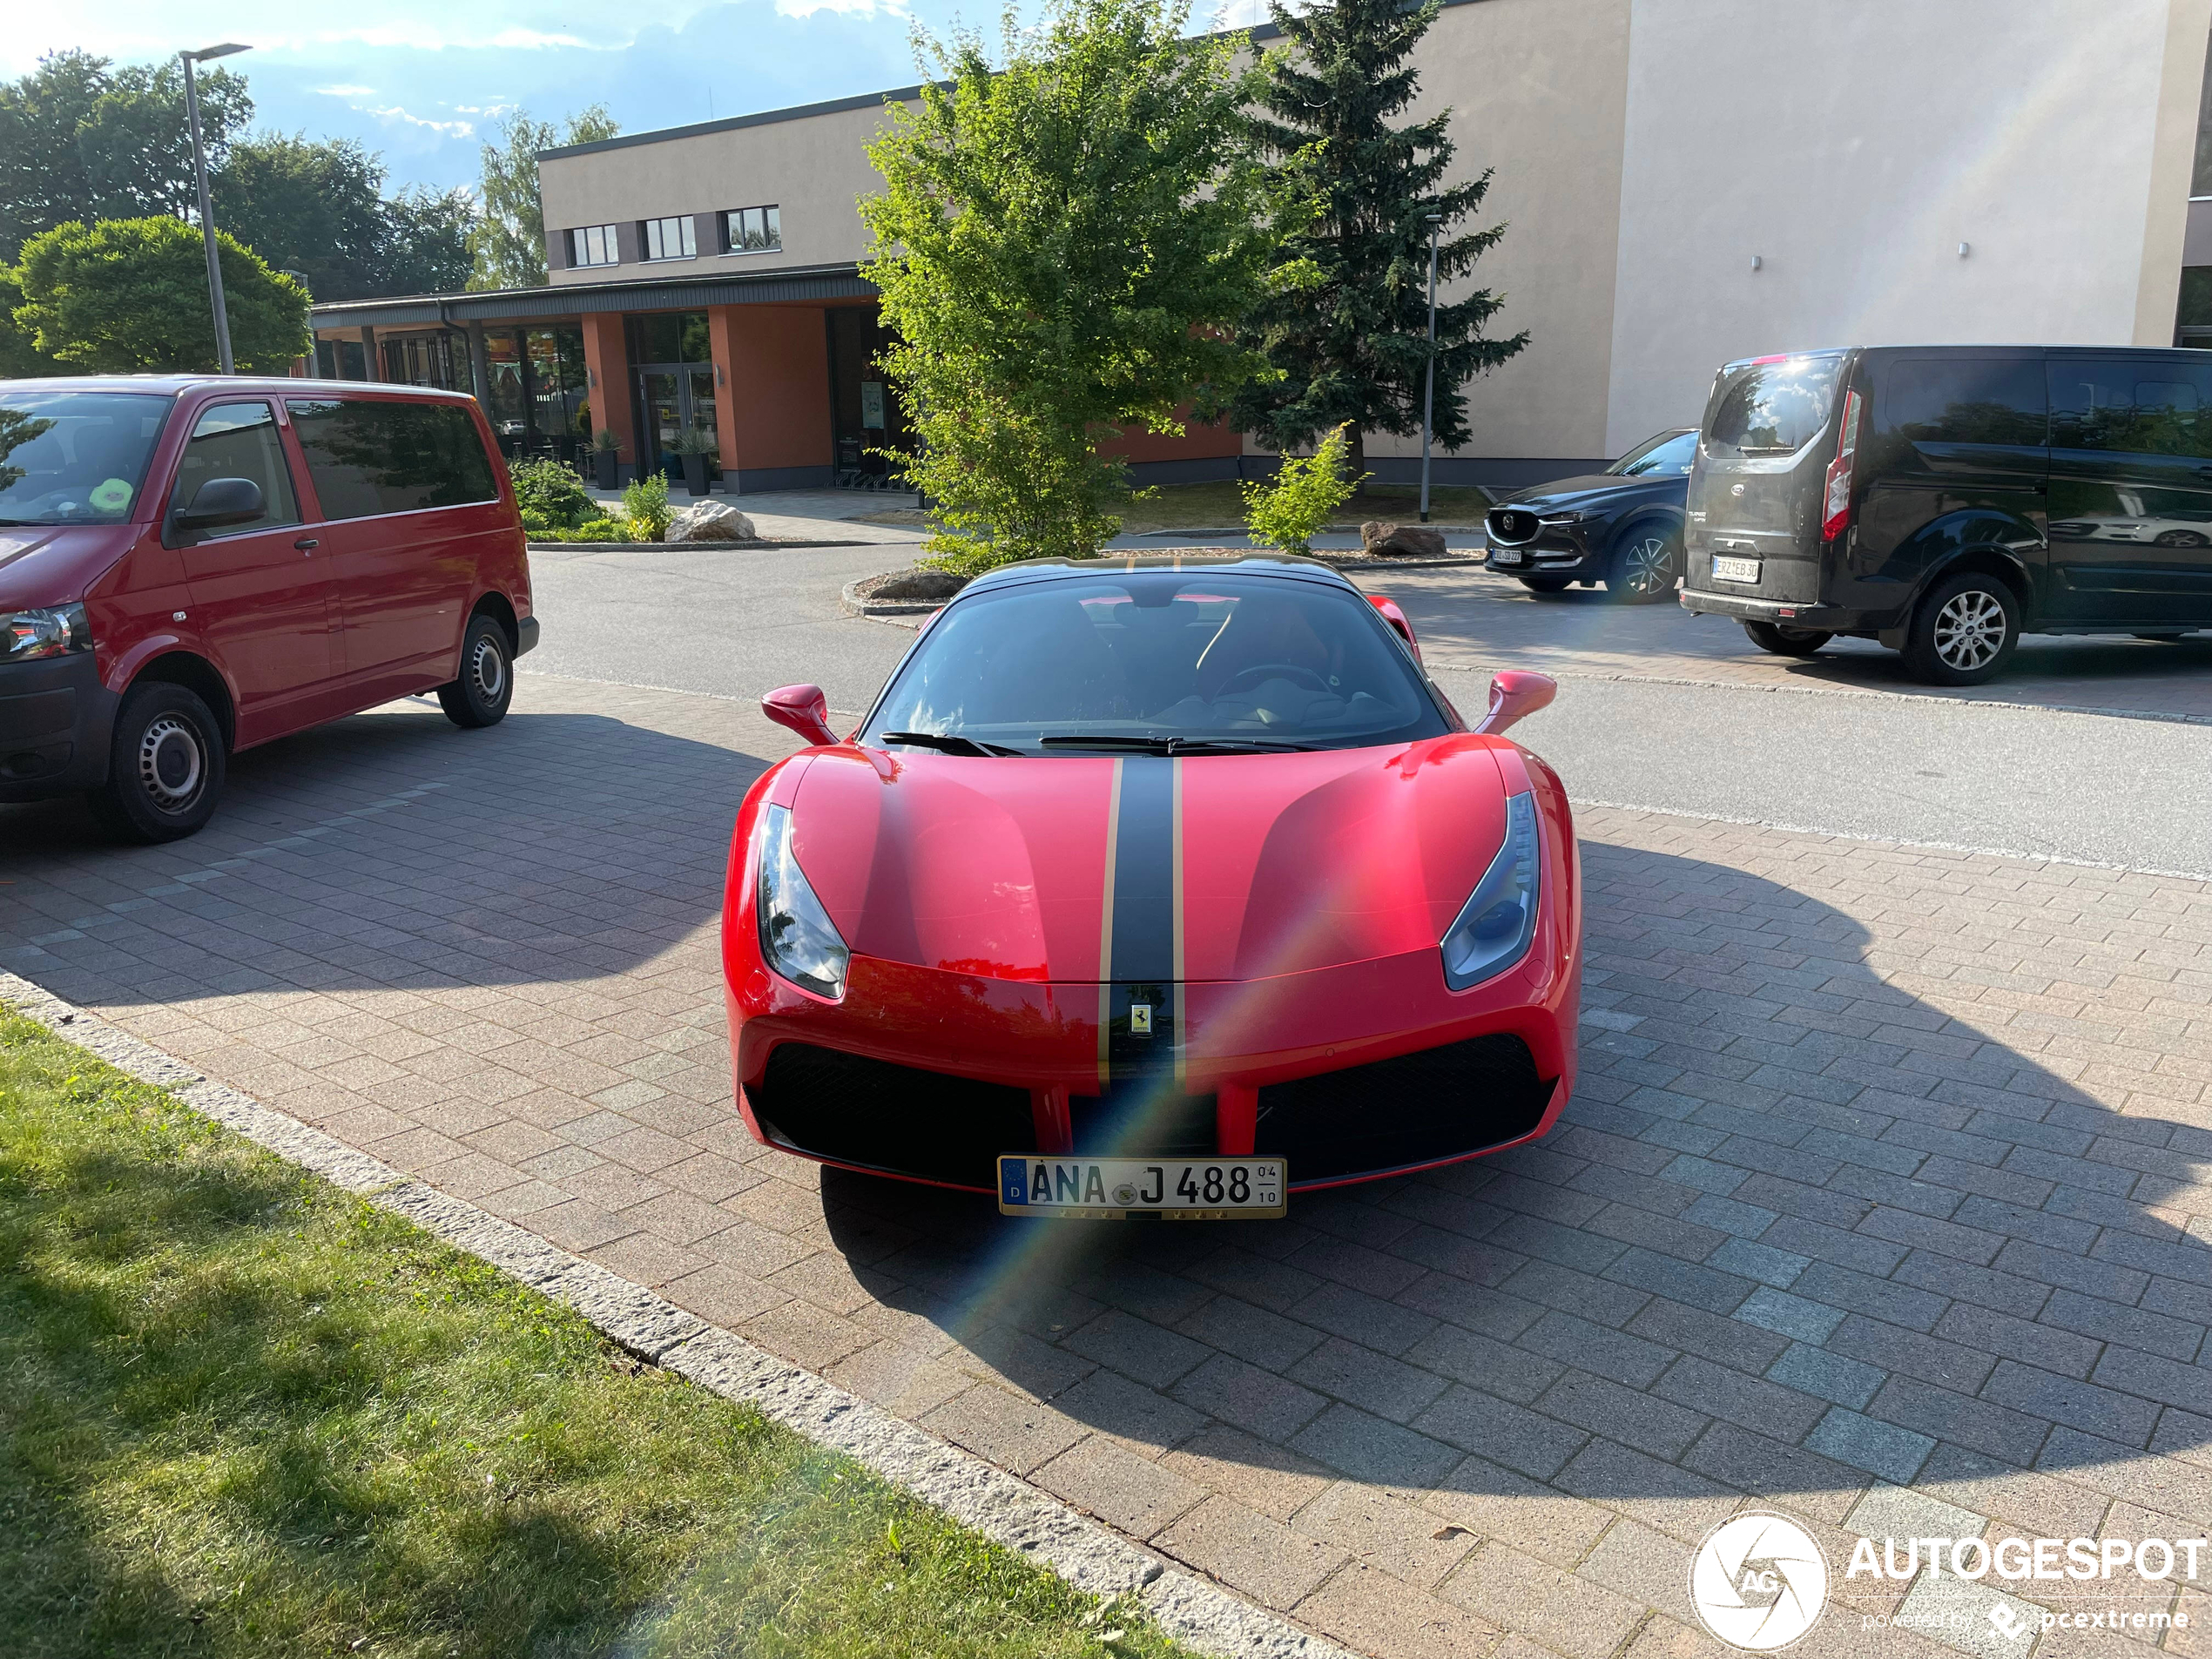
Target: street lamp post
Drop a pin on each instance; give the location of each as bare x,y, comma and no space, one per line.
1428,397
206,207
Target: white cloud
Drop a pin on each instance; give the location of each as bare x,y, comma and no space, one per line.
849,8
394,113
345,91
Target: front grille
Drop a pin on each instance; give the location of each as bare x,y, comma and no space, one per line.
887,1116
1415,1109
1143,1118
1512,526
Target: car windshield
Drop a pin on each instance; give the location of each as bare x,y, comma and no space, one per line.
74,457
1179,660
1772,409
1668,454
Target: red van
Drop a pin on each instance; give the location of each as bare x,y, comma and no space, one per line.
191,565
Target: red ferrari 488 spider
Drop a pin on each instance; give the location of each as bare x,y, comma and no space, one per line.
1166,884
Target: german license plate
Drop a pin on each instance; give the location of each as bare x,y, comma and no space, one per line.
1506,556
1177,1189
1728,570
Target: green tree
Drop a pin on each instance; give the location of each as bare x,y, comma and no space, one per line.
1352,344
19,359
128,295
1065,238
81,141
318,207
508,244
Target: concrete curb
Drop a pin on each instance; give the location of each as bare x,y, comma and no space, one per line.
1007,1510
850,602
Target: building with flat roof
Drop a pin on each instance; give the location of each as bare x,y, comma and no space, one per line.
1685,182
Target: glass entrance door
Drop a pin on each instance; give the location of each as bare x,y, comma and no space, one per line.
698,413
673,398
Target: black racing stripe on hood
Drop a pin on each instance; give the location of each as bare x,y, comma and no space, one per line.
1144,905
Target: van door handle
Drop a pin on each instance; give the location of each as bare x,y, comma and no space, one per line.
306,544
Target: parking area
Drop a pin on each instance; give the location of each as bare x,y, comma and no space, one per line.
1885,1200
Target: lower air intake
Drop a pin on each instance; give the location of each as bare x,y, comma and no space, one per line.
1414,1109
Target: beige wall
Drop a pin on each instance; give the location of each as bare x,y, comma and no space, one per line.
814,168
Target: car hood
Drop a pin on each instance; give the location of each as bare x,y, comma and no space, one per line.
1598,489
53,564
1219,867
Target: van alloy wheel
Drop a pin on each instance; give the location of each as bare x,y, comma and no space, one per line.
1970,631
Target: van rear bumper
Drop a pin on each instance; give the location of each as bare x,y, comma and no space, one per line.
1834,619
56,722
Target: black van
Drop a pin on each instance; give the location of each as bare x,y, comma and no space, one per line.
1945,499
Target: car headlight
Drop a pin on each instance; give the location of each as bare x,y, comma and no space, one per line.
55,632
796,937
1554,520
1498,923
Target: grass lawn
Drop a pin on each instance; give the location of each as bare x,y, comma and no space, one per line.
1217,505
242,1413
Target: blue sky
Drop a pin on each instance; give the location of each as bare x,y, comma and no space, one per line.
424,80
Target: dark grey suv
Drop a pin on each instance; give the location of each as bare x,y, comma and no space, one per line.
1945,499
1622,527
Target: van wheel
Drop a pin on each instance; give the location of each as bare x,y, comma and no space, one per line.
480,697
1963,631
166,768
1786,642
1646,562
1544,586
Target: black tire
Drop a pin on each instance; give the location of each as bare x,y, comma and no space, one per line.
479,696
166,765
1647,562
1544,586
1963,631
1786,642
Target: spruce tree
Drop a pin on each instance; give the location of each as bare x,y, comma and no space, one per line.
1351,337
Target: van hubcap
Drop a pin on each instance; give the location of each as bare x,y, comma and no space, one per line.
172,763
1970,631
1647,565
489,669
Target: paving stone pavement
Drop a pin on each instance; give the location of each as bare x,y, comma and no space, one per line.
1885,1200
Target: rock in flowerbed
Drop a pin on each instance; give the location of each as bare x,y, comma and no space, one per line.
1382,540
710,520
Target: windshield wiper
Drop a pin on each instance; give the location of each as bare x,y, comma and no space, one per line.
949,743
1180,746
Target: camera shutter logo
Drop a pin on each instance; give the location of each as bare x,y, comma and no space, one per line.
1758,1581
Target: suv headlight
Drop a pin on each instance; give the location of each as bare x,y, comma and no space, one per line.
796,937
1498,923
55,632
1554,520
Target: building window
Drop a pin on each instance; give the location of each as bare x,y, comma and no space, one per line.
753,230
594,245
669,239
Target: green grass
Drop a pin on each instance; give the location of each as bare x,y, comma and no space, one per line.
1217,505
242,1413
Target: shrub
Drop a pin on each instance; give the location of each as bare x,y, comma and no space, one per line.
592,529
1285,511
644,504
551,495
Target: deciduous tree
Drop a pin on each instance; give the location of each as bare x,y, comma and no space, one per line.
318,207
127,295
507,244
1352,344
1067,234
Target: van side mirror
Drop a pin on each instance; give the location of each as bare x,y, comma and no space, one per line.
220,501
803,709
1516,694
1396,618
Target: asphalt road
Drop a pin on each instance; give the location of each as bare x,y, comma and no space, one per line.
1862,758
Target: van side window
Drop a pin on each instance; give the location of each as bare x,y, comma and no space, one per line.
371,456
2143,408
1963,400
239,441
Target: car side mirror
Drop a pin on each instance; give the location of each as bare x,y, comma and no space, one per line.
803,709
220,501
1516,694
1396,618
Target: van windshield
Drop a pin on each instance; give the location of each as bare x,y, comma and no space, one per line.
74,457
1774,408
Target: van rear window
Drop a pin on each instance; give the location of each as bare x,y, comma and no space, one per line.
370,457
1772,409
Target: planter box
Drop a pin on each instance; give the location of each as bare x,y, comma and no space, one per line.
695,475
606,469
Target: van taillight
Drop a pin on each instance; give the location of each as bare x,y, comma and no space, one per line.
1834,501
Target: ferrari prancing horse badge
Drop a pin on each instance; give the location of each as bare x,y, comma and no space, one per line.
1140,1019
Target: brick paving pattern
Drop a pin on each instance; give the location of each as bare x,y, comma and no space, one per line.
1885,1200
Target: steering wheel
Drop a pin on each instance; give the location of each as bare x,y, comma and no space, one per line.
1257,669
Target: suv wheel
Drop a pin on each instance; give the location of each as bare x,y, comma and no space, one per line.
1963,631
166,767
1646,562
480,697
1786,642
